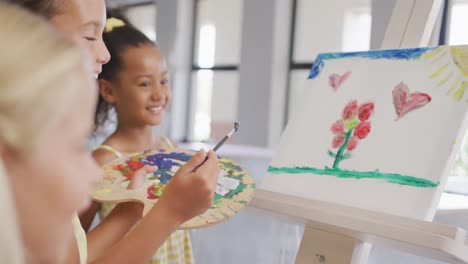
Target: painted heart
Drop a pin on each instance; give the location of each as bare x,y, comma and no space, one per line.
335,80
405,102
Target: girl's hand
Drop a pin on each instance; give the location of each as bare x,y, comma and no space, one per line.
138,178
190,193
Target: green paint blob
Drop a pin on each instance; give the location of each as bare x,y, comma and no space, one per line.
217,201
351,123
389,177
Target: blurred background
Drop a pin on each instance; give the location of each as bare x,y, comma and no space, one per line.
245,60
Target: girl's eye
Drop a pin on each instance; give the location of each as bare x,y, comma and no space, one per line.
90,38
145,84
164,82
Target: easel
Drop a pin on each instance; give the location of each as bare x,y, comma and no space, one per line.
336,234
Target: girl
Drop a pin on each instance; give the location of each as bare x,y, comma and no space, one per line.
45,110
135,83
29,146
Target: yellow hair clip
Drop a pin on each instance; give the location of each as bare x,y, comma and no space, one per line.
113,23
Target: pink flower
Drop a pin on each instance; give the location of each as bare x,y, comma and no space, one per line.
350,110
338,140
338,127
365,111
352,143
362,130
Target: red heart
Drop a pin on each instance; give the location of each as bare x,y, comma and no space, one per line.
335,80
405,102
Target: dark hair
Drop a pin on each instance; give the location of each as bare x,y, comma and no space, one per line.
44,8
117,40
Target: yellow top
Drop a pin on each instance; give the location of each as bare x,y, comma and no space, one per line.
111,149
80,236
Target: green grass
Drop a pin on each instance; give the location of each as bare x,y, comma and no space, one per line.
389,177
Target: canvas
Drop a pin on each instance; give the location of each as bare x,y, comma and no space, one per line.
376,130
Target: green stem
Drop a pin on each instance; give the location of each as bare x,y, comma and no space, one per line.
339,154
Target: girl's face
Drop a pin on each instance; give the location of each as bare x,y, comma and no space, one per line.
54,180
83,22
141,92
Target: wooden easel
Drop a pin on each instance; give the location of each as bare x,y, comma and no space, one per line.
411,24
336,234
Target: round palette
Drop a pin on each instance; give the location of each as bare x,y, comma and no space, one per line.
233,191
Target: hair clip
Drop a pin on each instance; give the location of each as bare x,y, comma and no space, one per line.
113,23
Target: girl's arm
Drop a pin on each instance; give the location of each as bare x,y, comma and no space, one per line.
119,221
87,217
102,157
187,195
108,232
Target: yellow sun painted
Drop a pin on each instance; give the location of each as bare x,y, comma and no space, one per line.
455,84
432,53
450,69
438,58
445,79
460,58
458,95
439,71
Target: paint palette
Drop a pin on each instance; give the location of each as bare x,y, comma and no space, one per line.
233,191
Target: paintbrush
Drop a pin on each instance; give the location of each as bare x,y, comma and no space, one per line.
221,142
227,136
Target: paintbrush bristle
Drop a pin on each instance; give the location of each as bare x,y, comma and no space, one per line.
236,126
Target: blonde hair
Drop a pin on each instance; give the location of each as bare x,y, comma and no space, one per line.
45,8
35,63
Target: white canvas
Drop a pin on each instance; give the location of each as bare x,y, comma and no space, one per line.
401,164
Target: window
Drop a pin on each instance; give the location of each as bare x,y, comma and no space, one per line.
341,26
356,29
215,67
457,30
143,17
